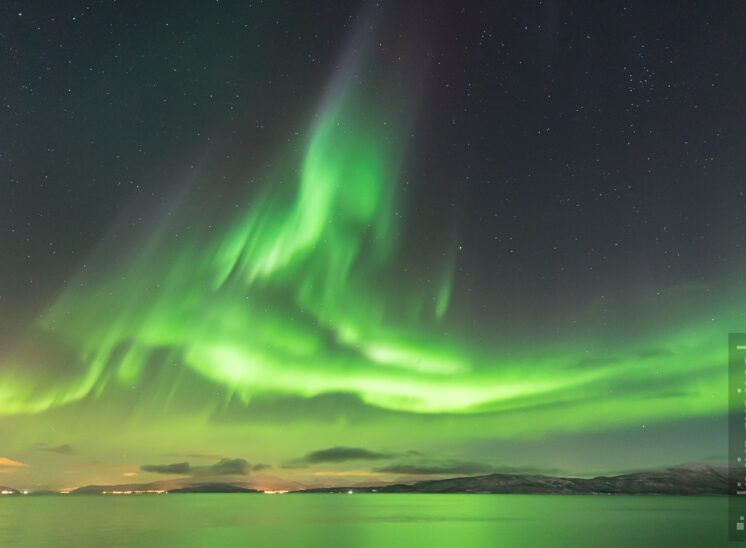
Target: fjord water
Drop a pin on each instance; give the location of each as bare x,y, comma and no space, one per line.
366,520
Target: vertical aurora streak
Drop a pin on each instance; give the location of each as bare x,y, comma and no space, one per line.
284,300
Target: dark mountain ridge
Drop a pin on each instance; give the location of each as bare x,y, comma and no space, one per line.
214,488
680,480
692,480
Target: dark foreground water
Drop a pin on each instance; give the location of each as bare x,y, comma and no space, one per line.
362,520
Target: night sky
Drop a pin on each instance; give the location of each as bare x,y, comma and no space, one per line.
341,242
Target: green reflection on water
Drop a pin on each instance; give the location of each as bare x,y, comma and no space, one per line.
363,520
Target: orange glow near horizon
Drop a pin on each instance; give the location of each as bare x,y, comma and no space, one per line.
6,462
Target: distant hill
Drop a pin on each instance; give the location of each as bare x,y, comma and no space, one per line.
179,485
681,480
693,480
214,488
163,485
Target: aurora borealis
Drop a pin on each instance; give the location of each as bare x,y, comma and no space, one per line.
326,263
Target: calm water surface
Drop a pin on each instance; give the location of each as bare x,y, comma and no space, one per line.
362,520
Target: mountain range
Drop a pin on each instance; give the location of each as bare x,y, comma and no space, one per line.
683,480
680,480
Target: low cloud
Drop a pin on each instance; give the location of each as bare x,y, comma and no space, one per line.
59,449
196,456
176,468
106,465
455,468
525,470
361,473
442,468
336,455
224,467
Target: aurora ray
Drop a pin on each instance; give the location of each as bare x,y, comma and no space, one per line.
285,299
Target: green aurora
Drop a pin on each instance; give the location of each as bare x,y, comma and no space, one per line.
288,325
